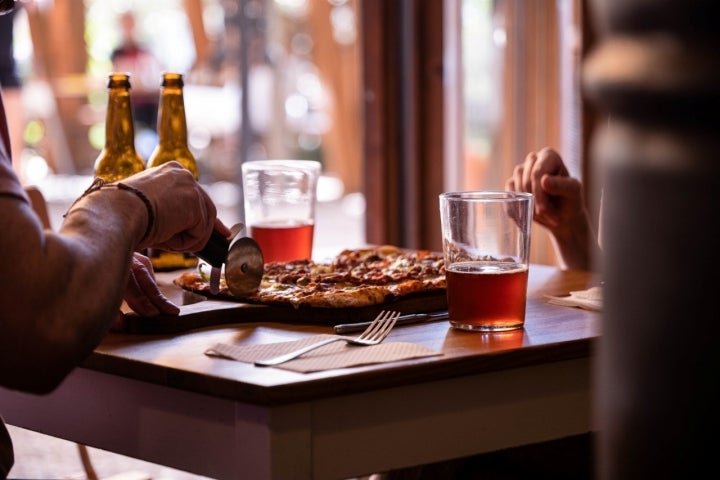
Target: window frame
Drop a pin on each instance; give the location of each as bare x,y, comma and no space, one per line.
403,101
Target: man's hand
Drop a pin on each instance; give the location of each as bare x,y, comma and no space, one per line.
184,213
142,293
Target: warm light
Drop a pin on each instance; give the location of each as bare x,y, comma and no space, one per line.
329,188
292,7
96,136
199,138
500,37
342,19
353,204
35,168
34,132
296,106
310,86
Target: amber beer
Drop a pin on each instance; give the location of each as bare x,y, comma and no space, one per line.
486,245
279,201
283,243
487,295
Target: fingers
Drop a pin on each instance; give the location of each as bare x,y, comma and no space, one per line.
223,229
566,187
118,323
544,174
142,293
199,223
520,179
550,162
184,213
514,183
527,176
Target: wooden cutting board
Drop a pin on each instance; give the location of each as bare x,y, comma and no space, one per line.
197,311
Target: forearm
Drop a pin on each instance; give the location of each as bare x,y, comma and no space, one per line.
67,286
577,245
100,232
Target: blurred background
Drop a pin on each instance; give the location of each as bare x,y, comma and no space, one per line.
273,50
300,64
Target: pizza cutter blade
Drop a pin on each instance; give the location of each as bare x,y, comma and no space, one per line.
243,259
244,267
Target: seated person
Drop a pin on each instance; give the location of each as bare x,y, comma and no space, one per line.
66,287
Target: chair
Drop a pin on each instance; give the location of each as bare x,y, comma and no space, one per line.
37,200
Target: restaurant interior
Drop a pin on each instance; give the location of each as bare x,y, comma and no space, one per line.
399,101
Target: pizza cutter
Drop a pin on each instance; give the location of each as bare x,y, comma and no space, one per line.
243,259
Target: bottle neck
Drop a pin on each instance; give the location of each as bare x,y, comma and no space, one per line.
172,126
119,130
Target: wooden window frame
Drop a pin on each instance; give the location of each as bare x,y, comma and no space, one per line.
403,106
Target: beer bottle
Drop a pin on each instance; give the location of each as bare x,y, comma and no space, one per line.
172,145
118,158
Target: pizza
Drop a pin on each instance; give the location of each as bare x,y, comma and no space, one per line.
354,278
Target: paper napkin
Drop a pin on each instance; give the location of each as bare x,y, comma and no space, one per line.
334,355
590,299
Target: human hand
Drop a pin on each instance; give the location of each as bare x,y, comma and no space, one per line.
184,213
558,196
142,293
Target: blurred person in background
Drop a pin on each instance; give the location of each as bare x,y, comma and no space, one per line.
145,76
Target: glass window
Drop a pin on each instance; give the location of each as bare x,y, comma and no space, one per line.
297,62
451,95
520,80
521,92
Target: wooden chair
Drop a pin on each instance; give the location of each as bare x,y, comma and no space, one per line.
37,200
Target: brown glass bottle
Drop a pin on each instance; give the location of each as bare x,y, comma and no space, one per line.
172,145
118,159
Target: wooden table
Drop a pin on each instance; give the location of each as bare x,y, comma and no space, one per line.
159,398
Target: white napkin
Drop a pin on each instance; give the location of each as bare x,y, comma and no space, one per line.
334,355
590,299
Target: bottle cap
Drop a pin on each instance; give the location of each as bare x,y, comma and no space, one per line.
172,79
117,79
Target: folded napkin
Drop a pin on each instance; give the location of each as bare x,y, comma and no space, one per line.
590,299
334,355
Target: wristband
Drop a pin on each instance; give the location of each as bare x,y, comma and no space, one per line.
99,184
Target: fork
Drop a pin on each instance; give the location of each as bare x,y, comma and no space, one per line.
375,333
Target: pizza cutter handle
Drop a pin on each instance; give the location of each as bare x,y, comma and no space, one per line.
215,251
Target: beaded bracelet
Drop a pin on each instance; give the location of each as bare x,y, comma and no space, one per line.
99,183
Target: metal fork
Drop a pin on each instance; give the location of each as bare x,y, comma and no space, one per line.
376,332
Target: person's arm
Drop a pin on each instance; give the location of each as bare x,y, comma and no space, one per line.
559,207
62,291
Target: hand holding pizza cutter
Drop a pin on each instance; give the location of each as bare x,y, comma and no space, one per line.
243,259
